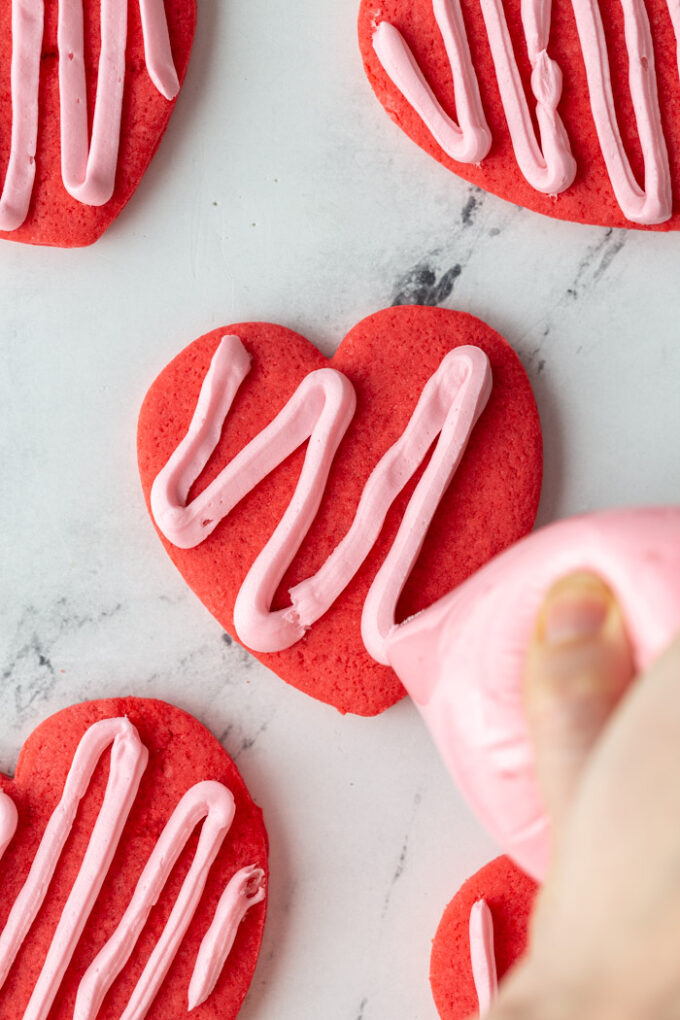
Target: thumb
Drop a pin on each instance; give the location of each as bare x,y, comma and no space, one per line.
578,666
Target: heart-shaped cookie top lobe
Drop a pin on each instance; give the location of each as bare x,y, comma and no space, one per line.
421,459
482,933
568,109
88,92
462,660
134,869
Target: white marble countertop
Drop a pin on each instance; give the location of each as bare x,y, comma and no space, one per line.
282,192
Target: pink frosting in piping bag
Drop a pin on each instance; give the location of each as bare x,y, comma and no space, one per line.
462,660
552,170
320,410
88,165
208,801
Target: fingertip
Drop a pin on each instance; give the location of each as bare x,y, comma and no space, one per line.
578,666
574,609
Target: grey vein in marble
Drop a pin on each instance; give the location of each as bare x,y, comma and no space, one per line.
401,861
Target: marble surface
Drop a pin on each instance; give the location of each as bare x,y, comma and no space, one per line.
282,192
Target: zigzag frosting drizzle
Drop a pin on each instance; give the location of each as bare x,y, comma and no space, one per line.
320,411
208,802
547,162
88,165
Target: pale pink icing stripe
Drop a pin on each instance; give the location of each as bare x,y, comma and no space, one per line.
128,761
655,203
320,409
208,800
27,33
9,820
449,407
157,50
553,170
244,890
88,166
482,956
469,141
674,11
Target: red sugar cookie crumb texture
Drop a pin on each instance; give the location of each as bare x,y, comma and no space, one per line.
181,753
510,896
54,217
388,357
590,199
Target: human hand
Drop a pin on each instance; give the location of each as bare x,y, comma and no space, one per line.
605,934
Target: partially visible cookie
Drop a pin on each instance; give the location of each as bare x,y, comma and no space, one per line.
89,885
509,895
84,110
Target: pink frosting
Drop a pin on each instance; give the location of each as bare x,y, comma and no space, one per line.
320,410
462,660
88,165
128,761
654,204
244,890
208,801
483,956
27,33
550,167
469,141
9,819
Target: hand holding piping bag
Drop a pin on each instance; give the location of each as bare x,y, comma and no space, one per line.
605,932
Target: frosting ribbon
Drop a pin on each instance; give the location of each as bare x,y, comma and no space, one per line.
482,956
9,819
88,166
209,802
320,411
549,168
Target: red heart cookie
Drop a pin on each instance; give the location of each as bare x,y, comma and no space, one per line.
87,92
109,898
568,109
508,895
416,374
